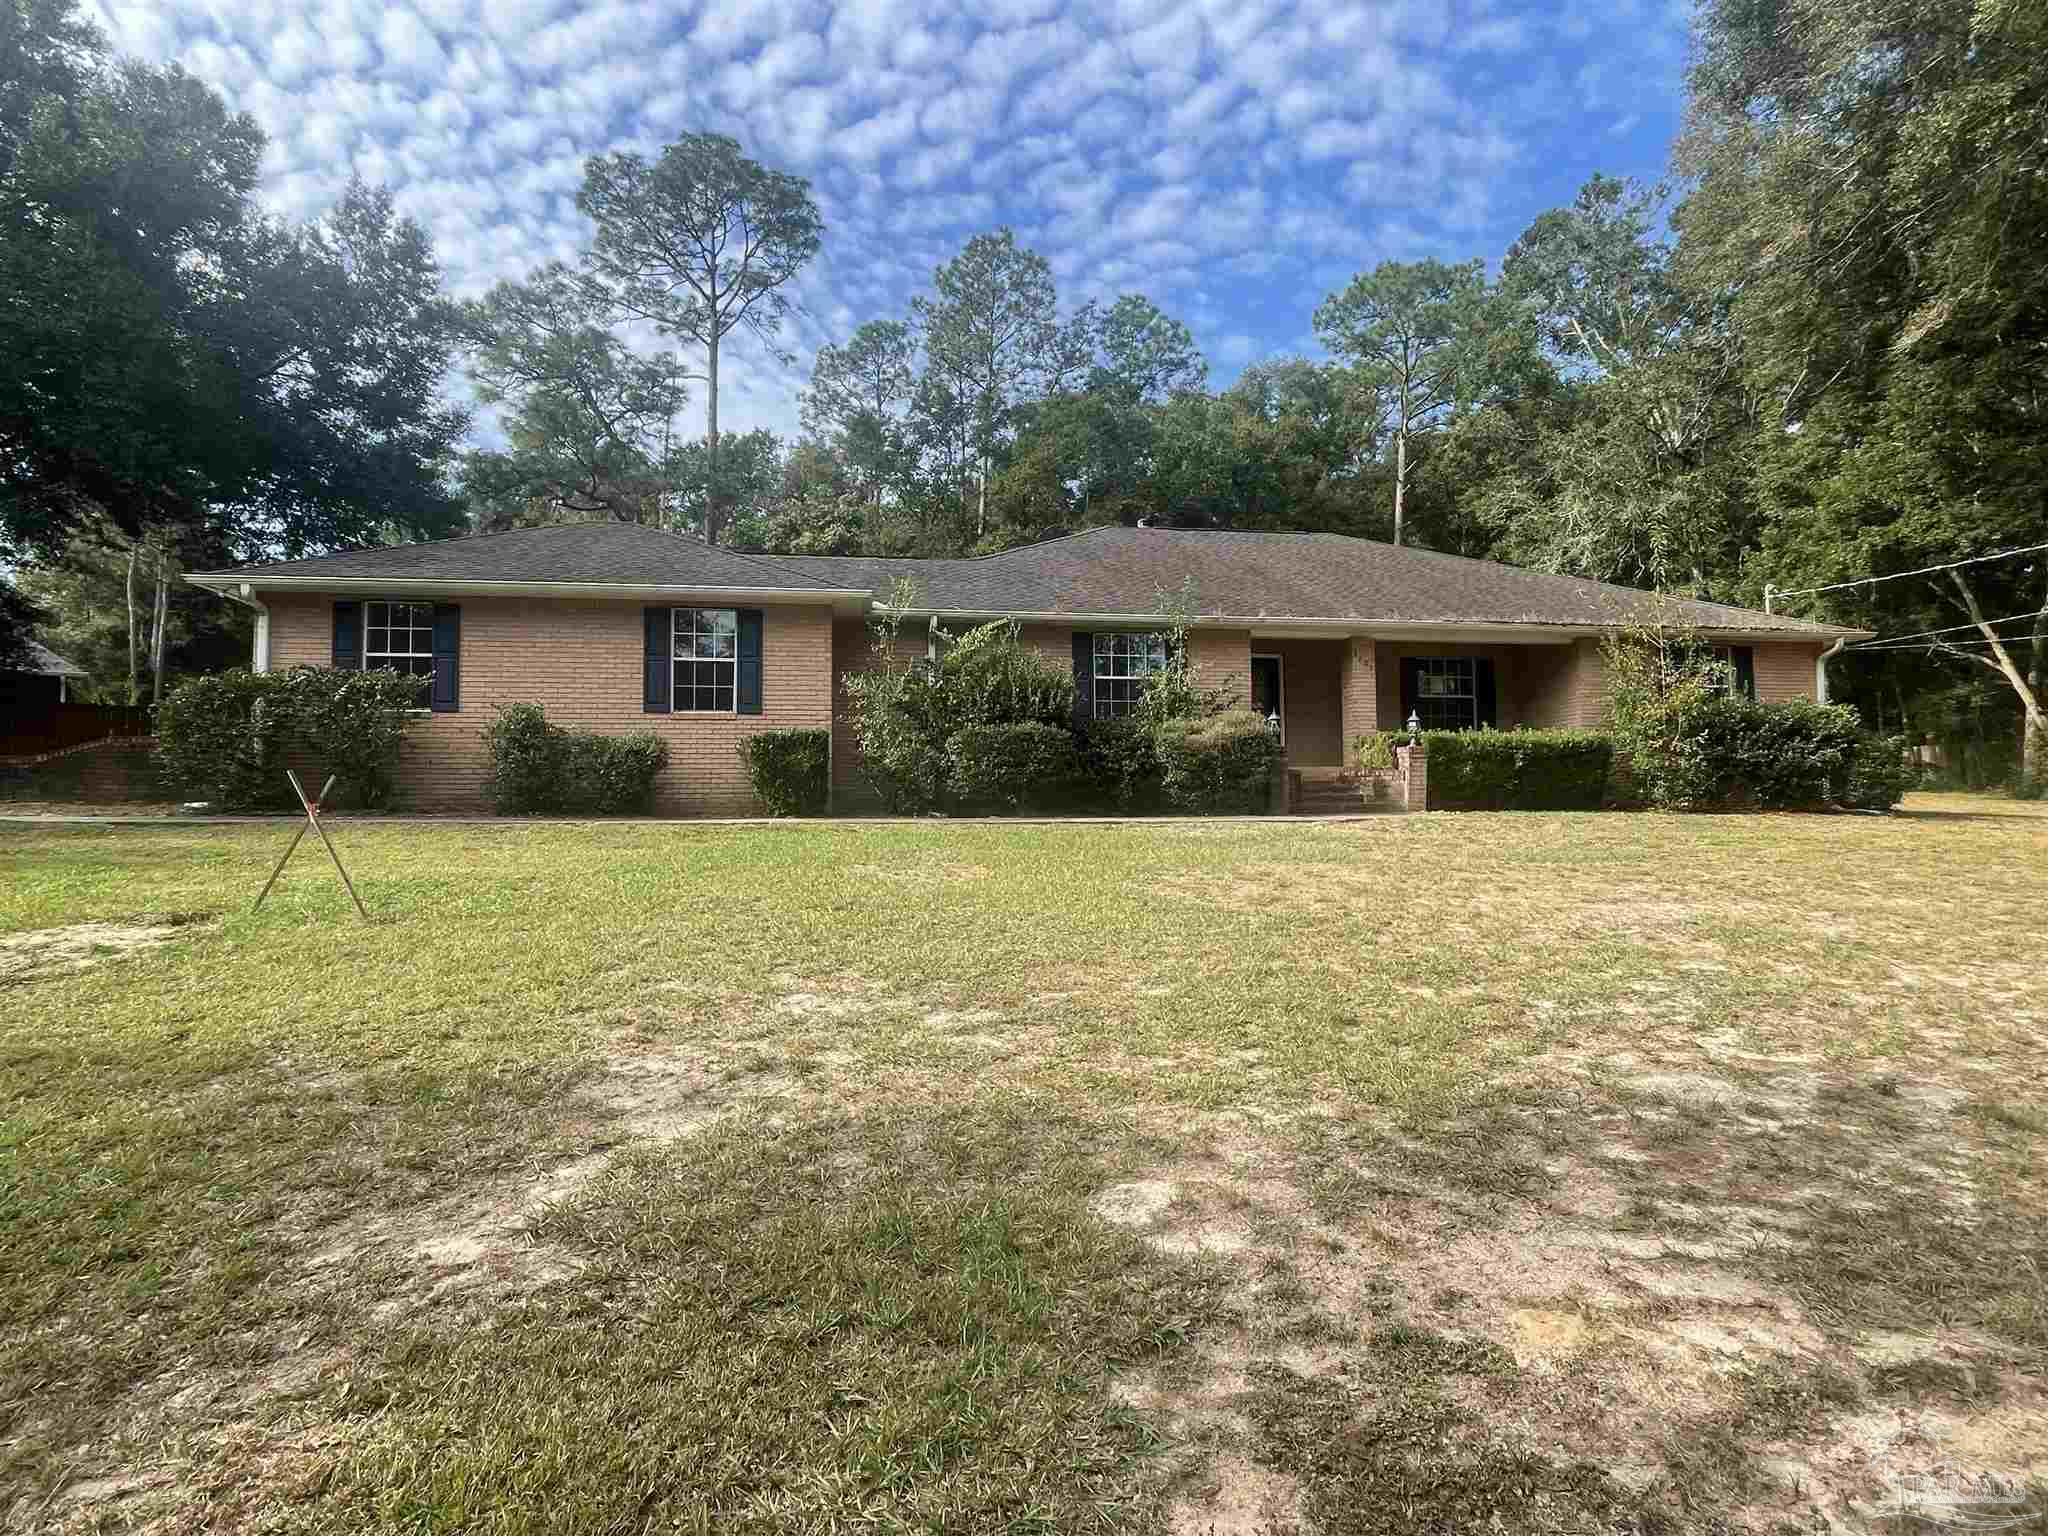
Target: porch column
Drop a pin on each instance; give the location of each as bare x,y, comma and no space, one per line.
1360,695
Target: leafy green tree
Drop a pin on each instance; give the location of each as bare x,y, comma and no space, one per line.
1597,279
171,360
589,422
743,481
1423,339
1639,465
119,608
1870,189
1141,354
702,242
992,337
857,399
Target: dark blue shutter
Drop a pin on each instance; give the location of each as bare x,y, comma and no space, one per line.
1488,693
348,636
447,691
747,682
658,664
1084,676
1744,657
1411,689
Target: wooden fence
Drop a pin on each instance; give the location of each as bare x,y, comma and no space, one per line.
53,727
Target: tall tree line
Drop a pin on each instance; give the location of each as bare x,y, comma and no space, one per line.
1818,354
183,379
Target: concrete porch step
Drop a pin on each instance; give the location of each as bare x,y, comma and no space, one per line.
1335,792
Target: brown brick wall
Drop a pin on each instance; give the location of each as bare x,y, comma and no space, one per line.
1785,672
581,662
1564,687
1358,691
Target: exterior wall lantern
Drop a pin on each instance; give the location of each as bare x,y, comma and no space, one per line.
1414,728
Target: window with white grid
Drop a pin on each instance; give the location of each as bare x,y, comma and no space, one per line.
706,652
1125,664
400,636
1447,693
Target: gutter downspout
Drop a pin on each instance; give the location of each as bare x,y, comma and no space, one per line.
259,645
1820,670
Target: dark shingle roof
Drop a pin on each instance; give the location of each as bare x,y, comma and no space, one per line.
1103,571
625,553
1296,576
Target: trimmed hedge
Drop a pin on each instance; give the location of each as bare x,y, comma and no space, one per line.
1219,764
224,737
538,767
613,775
1518,770
1787,756
790,769
1880,773
1120,766
1007,768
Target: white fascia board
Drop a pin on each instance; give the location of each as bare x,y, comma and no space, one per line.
229,583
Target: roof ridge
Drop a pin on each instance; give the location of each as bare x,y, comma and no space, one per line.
453,538
764,561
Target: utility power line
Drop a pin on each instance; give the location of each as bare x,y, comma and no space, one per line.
1946,630
1772,594
1930,645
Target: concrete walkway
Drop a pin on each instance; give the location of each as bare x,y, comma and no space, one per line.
351,819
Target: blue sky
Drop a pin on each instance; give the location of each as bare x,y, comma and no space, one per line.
1234,160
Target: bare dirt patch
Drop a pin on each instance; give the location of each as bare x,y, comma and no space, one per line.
44,952
1621,1336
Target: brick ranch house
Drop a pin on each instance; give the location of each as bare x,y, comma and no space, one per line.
616,627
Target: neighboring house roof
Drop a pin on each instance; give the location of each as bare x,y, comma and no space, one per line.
1294,578
47,662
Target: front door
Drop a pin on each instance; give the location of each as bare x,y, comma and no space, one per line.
1266,695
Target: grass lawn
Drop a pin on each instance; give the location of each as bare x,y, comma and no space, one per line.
1428,1174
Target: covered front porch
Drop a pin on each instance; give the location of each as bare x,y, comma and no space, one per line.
1327,690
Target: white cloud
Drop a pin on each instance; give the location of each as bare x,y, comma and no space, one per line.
410,50
1213,154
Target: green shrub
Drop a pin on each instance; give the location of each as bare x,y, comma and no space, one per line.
1518,770
351,723
989,677
529,760
1218,764
1374,749
216,741
904,716
791,770
1790,756
1008,767
613,775
538,767
1119,766
1880,773
1691,746
225,737
897,722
